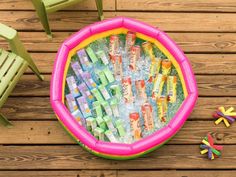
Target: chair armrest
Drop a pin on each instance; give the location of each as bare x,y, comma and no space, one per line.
7,32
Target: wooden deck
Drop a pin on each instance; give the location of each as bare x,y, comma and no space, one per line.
38,146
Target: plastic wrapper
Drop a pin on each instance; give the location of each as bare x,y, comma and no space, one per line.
72,86
84,107
84,59
130,40
147,113
135,124
162,108
171,88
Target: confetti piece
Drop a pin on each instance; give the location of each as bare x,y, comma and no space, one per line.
226,116
208,147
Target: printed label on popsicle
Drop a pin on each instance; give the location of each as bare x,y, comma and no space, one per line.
101,54
104,92
141,89
71,102
134,121
162,108
83,105
127,90
84,60
158,86
171,88
166,67
72,86
134,57
130,40
114,45
148,116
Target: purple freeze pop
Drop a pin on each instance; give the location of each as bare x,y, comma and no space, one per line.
77,69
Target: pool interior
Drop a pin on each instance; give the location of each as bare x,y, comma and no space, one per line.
99,95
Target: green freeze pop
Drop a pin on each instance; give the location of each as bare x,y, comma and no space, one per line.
91,54
98,108
101,123
97,95
91,124
109,75
120,127
99,134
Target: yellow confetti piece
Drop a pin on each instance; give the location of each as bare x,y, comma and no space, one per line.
226,122
205,142
218,120
221,109
231,114
204,151
212,157
229,110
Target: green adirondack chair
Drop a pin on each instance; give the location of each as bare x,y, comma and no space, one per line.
44,7
12,66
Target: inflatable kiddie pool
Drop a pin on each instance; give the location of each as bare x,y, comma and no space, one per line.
121,150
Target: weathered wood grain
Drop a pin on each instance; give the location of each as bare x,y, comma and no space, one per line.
217,85
138,5
208,85
120,173
178,5
74,157
174,173
189,42
205,106
30,85
213,63
79,173
51,132
39,108
27,5
28,108
63,21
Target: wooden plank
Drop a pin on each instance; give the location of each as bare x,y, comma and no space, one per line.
205,42
35,108
39,108
178,173
177,5
27,5
217,85
51,132
79,173
210,85
201,63
213,63
74,157
120,173
213,22
205,106
30,85
189,42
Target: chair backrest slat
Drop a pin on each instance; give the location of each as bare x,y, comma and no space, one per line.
51,3
5,67
9,71
3,56
55,5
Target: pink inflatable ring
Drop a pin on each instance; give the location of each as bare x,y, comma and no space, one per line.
105,28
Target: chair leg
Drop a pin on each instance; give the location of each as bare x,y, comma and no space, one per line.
4,121
42,14
99,4
18,48
34,68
